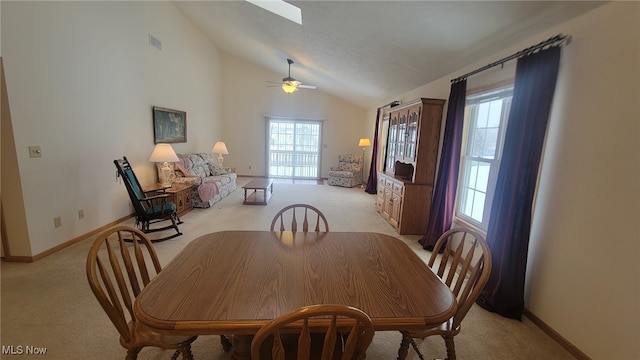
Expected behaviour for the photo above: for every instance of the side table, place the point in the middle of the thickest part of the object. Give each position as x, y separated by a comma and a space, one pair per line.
179, 194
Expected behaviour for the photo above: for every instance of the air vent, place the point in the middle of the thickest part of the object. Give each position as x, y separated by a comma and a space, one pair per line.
155, 42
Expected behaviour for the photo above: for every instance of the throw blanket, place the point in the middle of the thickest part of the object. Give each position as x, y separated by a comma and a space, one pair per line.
207, 190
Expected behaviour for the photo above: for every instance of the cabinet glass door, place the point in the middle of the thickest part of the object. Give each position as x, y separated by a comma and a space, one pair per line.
391, 142
412, 134
402, 135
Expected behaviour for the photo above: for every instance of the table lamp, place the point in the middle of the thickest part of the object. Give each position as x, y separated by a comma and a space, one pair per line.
364, 142
220, 148
163, 153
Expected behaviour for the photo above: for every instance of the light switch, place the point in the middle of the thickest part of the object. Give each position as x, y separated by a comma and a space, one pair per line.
34, 151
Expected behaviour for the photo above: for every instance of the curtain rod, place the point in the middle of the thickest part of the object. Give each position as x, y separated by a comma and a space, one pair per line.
391, 104
556, 40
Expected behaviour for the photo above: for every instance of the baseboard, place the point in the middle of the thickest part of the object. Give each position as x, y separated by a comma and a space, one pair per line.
65, 244
577, 353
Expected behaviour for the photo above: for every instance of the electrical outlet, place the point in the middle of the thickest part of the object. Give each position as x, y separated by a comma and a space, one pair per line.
81, 214
57, 221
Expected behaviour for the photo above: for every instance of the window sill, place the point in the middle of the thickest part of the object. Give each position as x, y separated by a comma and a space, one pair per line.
460, 222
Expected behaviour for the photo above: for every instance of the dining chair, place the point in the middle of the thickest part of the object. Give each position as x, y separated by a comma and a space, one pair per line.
345, 333
150, 207
120, 263
462, 260
291, 214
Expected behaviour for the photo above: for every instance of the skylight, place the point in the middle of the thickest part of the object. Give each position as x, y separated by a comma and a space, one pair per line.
281, 8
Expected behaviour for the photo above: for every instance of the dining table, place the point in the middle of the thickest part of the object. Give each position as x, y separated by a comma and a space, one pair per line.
234, 282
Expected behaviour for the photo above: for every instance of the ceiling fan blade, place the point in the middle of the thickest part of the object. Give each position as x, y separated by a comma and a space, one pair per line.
273, 82
303, 86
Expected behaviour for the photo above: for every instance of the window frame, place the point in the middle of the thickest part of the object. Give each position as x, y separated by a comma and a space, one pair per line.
474, 97
295, 150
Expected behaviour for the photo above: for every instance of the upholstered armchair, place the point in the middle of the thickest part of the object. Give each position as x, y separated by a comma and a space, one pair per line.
348, 172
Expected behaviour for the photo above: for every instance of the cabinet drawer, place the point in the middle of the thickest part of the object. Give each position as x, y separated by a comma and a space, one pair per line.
398, 188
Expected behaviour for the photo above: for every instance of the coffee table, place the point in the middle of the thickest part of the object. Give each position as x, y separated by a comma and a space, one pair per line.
262, 191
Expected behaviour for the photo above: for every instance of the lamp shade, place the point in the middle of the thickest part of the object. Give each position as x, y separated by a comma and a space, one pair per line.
364, 142
220, 148
162, 153
289, 87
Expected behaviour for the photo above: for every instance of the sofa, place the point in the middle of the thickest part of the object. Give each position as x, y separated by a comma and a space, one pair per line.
348, 172
213, 181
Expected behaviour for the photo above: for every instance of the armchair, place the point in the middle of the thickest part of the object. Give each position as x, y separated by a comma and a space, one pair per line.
348, 172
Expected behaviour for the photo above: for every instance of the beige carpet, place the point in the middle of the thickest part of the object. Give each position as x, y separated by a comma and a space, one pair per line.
48, 304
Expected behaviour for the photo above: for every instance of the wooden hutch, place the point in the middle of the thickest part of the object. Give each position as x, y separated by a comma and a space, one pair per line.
405, 186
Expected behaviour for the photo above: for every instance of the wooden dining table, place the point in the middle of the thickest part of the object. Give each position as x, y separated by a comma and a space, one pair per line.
234, 282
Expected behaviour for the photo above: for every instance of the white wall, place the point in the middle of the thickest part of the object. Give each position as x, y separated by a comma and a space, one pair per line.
583, 275
246, 100
82, 79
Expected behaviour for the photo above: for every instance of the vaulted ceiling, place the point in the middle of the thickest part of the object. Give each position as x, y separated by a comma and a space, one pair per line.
369, 51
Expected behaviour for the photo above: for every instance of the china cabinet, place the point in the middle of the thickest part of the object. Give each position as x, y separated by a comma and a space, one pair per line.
405, 186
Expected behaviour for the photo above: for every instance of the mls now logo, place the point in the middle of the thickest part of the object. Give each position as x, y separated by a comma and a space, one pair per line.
23, 350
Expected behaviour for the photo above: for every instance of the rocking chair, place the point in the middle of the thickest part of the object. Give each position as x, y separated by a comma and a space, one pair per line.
150, 207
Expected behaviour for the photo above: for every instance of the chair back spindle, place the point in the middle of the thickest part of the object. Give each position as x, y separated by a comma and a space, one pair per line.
287, 219
346, 333
464, 266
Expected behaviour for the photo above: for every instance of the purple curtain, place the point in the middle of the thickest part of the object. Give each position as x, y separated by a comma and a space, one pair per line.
444, 197
372, 183
510, 221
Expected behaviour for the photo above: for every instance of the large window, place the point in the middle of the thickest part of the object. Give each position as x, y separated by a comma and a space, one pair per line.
486, 117
293, 148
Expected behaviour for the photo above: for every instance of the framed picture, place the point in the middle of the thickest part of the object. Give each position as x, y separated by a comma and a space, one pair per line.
169, 126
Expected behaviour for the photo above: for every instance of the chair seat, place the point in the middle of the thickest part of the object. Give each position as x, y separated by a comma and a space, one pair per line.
443, 329
159, 209
342, 173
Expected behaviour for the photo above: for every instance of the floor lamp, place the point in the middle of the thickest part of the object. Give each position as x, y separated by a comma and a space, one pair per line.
364, 142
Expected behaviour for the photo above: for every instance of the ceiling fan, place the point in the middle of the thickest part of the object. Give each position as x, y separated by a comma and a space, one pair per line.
289, 84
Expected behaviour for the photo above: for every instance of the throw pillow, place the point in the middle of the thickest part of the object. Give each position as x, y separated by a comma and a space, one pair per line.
179, 167
217, 169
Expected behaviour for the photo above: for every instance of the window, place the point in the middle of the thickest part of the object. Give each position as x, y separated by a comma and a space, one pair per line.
486, 117
293, 148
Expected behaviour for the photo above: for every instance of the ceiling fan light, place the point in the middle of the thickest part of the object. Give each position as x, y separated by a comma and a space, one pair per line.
289, 88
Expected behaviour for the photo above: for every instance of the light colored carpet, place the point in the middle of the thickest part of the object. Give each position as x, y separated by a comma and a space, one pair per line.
48, 303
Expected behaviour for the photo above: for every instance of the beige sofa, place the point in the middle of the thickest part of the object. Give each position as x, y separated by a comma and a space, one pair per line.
213, 181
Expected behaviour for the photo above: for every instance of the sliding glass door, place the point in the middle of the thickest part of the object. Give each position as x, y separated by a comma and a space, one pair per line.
293, 148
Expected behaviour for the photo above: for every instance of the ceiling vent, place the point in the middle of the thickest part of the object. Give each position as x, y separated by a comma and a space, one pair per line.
155, 42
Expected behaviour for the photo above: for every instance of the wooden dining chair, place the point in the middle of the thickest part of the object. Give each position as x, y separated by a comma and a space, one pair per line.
121, 262
150, 207
345, 331
462, 260
299, 212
